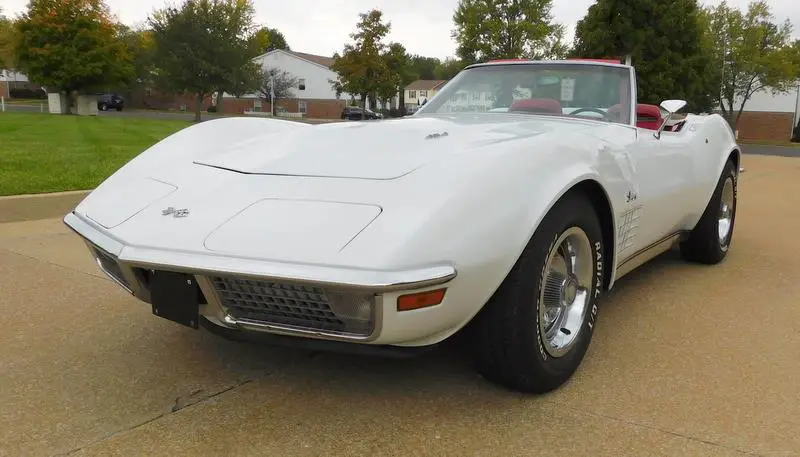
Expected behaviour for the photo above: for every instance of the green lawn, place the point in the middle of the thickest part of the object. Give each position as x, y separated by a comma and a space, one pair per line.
50, 153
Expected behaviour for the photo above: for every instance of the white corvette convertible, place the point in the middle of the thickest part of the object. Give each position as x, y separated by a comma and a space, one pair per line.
503, 208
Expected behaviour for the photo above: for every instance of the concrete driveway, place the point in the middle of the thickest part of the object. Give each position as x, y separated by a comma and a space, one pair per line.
687, 361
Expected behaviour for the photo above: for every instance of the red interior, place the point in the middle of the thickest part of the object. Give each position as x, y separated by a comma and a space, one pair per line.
538, 105
648, 117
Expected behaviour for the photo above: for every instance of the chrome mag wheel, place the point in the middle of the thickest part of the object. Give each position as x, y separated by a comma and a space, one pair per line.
566, 291
726, 209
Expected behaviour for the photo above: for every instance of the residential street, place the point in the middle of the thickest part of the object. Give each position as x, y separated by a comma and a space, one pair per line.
687, 360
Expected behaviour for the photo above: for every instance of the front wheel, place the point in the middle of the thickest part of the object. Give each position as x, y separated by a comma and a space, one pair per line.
710, 240
535, 330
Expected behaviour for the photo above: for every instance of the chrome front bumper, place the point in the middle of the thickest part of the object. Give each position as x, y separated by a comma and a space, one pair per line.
280, 312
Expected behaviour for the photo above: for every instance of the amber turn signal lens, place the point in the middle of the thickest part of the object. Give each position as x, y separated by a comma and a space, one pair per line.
420, 300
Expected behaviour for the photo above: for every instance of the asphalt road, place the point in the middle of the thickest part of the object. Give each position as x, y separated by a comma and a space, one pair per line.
780, 151
687, 360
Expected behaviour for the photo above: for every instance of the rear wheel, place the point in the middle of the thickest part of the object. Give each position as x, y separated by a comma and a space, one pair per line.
535, 330
711, 238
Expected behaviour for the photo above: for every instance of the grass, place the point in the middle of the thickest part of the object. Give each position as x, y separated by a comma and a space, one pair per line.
51, 153
785, 144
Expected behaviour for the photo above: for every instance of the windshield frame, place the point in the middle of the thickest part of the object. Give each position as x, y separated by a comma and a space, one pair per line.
443, 94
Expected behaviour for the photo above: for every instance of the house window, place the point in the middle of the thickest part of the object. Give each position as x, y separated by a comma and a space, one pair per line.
302, 83
302, 105
423, 94
412, 94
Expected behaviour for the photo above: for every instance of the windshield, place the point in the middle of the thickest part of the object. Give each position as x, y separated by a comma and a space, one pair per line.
560, 89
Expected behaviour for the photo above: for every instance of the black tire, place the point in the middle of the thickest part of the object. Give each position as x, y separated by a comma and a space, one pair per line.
103, 107
508, 344
704, 244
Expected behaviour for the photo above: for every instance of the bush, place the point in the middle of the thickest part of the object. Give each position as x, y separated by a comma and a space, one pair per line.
28, 93
212, 109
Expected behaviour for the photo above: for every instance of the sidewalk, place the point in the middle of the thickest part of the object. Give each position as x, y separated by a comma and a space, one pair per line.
16, 208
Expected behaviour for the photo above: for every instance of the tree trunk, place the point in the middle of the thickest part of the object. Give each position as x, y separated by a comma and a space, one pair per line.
198, 107
402, 108
727, 113
363, 106
739, 114
373, 101
70, 100
219, 100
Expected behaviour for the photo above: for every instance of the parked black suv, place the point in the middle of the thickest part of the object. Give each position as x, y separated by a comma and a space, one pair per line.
106, 102
353, 113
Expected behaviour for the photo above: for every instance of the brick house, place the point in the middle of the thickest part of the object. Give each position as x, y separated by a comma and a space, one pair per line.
771, 117
11, 81
313, 96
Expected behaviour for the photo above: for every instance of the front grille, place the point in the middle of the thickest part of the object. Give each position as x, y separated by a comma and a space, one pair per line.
299, 306
110, 266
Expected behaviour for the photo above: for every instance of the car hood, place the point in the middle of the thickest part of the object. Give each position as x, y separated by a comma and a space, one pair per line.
380, 150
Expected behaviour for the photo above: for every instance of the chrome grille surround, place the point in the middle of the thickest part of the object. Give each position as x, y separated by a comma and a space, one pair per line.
110, 265
304, 307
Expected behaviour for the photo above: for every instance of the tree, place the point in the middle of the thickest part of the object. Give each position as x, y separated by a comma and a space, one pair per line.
361, 67
401, 73
203, 46
276, 84
140, 46
71, 46
448, 68
7, 59
506, 29
266, 39
424, 67
751, 53
670, 58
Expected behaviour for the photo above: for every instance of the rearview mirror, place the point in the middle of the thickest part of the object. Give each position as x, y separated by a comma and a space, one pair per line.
671, 107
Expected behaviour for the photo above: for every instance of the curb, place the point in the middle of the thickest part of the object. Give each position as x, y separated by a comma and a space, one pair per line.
18, 208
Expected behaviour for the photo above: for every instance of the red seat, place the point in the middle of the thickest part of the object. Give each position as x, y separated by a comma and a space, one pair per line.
648, 117
538, 105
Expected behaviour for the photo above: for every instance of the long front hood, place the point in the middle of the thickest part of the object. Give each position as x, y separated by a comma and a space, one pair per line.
376, 150
286, 200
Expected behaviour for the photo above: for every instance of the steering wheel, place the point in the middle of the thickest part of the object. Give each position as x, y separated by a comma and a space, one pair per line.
592, 110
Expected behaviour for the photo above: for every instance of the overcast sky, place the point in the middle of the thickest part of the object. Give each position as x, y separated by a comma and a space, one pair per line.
422, 26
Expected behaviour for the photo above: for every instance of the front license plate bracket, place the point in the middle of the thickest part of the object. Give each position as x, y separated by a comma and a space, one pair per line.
176, 297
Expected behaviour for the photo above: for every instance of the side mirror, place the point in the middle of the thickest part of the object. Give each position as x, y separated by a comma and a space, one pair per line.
671, 107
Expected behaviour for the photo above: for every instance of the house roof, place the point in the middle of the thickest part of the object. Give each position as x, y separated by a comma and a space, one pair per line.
323, 61
320, 60
426, 84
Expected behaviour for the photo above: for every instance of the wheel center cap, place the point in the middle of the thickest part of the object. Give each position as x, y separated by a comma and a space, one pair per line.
570, 290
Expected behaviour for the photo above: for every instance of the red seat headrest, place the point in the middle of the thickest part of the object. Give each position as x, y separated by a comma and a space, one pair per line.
538, 105
648, 116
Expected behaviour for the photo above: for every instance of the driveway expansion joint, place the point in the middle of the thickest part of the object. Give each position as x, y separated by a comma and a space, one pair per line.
191, 400
634, 423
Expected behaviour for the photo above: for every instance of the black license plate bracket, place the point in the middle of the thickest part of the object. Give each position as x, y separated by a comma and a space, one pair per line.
176, 297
